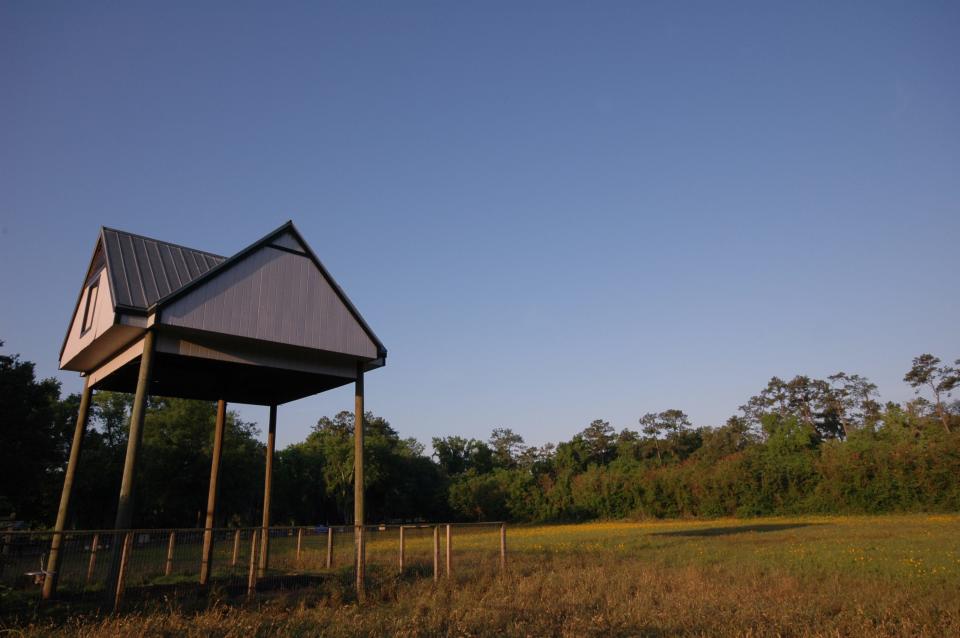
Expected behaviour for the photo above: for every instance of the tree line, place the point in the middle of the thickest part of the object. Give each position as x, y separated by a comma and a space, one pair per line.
802, 445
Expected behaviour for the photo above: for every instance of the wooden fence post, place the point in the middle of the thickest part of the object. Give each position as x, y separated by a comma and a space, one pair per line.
329, 547
503, 546
252, 574
401, 549
436, 552
94, 546
299, 541
122, 575
236, 548
168, 568
449, 550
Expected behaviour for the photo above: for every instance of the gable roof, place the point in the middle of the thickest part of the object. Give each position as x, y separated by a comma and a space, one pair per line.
145, 274
275, 239
143, 270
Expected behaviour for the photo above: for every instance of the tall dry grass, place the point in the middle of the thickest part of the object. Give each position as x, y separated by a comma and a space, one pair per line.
771, 582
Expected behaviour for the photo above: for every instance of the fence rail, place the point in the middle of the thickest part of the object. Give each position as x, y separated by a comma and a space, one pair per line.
123, 568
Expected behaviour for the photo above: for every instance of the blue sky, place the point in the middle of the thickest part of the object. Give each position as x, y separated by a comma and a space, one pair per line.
549, 212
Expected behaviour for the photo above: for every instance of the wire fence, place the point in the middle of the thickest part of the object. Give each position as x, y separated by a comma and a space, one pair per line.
127, 569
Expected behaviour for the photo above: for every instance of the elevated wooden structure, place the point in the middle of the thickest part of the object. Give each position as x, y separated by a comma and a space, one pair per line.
265, 326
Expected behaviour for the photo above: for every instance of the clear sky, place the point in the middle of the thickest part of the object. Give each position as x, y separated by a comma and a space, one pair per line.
549, 212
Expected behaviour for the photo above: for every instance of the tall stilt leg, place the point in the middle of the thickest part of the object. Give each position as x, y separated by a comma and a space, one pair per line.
358, 483
53, 562
134, 439
267, 486
207, 555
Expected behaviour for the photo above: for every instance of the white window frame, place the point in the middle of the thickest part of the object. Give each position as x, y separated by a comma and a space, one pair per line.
90, 308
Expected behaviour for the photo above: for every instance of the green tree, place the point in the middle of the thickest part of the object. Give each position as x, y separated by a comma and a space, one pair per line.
667, 429
36, 429
174, 466
733, 437
507, 447
850, 401
97, 483
927, 372
300, 492
399, 482
332, 438
598, 440
456, 455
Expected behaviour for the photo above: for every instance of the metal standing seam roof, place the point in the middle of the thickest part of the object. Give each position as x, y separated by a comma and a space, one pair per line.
144, 270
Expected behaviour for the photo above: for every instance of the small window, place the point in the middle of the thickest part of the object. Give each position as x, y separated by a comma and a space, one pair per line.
91, 306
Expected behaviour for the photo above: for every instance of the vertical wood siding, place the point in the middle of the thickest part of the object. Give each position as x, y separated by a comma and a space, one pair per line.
273, 295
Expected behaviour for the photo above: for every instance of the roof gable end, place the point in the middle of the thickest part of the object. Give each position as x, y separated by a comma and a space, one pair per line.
275, 289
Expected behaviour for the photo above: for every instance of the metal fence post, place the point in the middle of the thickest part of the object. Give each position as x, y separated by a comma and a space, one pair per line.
299, 541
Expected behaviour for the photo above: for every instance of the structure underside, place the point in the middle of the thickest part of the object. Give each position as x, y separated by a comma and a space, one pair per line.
211, 380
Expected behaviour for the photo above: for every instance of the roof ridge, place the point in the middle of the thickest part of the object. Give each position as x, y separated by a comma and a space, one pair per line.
163, 241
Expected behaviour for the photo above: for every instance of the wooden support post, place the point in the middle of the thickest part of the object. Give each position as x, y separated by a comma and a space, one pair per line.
53, 560
299, 541
449, 551
168, 568
207, 556
92, 565
361, 563
236, 548
503, 546
361, 554
134, 440
401, 549
122, 574
329, 547
267, 488
252, 573
436, 552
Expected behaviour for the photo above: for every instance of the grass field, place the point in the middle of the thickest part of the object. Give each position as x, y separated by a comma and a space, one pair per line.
808, 576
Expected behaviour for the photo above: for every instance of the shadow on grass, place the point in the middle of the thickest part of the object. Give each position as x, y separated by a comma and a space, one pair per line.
416, 572
727, 531
183, 593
